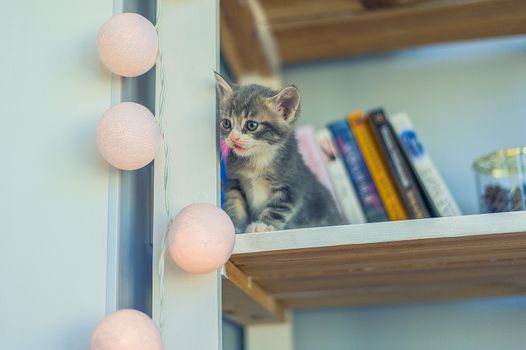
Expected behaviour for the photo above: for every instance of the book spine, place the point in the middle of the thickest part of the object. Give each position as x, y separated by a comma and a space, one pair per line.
435, 189
313, 158
384, 183
347, 197
399, 168
357, 172
223, 155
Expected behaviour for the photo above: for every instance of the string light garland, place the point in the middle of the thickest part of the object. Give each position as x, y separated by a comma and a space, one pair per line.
159, 116
128, 136
128, 44
126, 330
201, 237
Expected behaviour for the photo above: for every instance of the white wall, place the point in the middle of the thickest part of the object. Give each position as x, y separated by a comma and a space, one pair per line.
466, 100
53, 183
472, 325
275, 336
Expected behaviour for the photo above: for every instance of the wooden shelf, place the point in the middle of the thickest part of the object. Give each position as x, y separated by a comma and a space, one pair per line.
306, 30
392, 262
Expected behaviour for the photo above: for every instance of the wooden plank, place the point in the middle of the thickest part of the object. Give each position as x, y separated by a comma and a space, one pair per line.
311, 30
375, 257
245, 43
281, 288
384, 232
428, 293
279, 11
263, 272
239, 308
476, 260
375, 4
347, 33
399, 249
390, 252
393, 262
245, 302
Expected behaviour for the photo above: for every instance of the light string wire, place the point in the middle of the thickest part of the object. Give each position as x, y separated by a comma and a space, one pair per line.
159, 116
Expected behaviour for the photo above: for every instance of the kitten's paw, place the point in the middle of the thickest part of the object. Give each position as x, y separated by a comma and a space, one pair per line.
259, 227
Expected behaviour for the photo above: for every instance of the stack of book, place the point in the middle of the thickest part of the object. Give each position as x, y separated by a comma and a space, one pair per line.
375, 168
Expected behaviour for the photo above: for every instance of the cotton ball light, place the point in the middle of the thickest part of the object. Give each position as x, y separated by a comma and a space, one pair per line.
128, 136
126, 330
201, 238
128, 44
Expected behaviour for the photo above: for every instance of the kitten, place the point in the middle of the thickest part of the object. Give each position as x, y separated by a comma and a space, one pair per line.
269, 186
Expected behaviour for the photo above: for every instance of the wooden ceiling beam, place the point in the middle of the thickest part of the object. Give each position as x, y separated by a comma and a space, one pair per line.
257, 35
246, 43
368, 31
245, 302
279, 11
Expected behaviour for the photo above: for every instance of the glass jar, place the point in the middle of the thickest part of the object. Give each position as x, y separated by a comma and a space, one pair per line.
501, 180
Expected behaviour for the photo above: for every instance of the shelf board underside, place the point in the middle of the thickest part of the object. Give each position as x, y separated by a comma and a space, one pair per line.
455, 264
297, 31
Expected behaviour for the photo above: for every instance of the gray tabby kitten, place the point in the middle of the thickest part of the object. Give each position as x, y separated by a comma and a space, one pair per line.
269, 186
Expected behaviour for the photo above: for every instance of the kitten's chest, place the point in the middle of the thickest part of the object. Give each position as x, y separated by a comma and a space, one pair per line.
257, 191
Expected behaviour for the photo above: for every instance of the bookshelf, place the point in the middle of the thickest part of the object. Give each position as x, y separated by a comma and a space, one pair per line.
460, 257
318, 35
309, 30
378, 263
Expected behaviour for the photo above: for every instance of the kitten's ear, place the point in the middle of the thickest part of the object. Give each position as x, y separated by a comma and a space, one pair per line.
224, 88
286, 103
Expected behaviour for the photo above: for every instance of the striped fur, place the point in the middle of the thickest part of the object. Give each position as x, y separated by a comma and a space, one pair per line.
269, 186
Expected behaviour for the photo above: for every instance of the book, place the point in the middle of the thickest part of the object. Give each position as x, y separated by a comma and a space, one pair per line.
345, 193
440, 199
312, 156
382, 178
400, 170
357, 171
223, 156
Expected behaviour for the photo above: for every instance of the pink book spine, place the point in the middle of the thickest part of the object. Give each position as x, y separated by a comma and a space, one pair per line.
312, 156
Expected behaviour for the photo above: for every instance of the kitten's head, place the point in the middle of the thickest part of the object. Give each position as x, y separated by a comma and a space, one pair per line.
253, 118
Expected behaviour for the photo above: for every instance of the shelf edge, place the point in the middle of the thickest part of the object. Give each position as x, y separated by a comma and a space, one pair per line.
254, 292
444, 227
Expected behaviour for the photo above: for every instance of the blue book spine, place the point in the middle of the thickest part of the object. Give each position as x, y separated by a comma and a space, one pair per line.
223, 176
358, 172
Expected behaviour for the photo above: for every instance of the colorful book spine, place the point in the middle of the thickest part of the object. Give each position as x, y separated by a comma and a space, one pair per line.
382, 178
399, 168
435, 189
223, 156
313, 158
345, 193
357, 171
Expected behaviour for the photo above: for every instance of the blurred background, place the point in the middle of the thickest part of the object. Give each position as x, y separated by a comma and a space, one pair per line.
457, 67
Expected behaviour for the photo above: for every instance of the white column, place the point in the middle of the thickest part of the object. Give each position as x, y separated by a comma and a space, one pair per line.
189, 30
275, 336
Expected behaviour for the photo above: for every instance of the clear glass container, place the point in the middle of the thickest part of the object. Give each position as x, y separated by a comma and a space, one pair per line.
501, 180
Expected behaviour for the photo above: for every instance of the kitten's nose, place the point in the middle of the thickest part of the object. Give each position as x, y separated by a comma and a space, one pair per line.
234, 138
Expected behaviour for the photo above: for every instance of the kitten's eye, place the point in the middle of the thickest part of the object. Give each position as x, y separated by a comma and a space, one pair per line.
252, 125
226, 124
